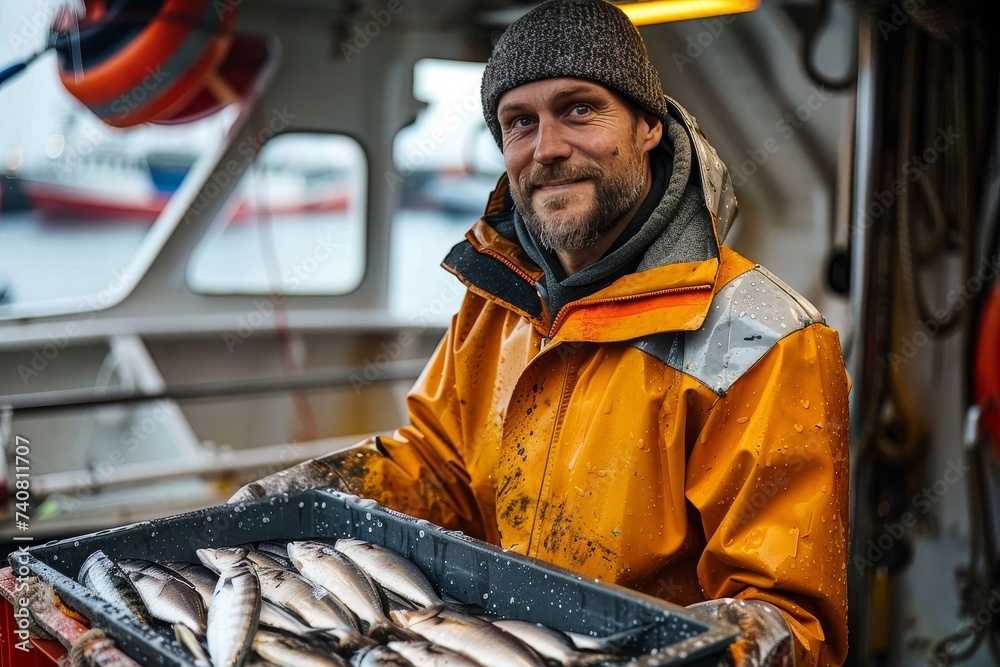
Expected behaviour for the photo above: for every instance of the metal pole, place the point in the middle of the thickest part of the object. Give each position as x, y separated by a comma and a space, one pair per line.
407, 369
862, 363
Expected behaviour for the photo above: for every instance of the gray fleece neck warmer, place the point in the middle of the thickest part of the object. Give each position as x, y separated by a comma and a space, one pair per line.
677, 230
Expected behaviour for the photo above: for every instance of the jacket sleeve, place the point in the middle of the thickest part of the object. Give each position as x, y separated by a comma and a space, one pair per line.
768, 475
419, 470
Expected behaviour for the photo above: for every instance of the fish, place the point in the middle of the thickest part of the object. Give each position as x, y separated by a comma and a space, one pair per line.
100, 574
379, 656
216, 558
341, 577
189, 640
276, 618
294, 593
271, 615
277, 551
472, 637
391, 571
286, 651
233, 615
426, 654
199, 576
167, 595
552, 644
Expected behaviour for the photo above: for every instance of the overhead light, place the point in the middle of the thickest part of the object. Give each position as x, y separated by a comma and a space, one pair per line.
662, 11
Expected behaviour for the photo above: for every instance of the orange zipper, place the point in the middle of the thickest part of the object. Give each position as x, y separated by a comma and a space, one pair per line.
509, 264
564, 312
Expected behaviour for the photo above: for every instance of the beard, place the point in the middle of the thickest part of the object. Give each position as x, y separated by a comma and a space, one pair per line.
616, 191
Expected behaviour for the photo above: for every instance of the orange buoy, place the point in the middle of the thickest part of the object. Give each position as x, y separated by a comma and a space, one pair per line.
229, 83
138, 61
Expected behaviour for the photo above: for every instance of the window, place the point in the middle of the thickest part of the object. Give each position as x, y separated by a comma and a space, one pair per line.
296, 225
77, 197
447, 165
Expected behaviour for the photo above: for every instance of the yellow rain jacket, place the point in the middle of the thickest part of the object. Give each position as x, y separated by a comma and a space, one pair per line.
682, 432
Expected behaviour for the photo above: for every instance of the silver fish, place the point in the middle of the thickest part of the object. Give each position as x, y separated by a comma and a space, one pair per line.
391, 571
472, 637
426, 654
199, 576
379, 656
287, 651
325, 566
276, 551
214, 559
273, 616
168, 596
189, 640
552, 644
102, 575
233, 615
291, 591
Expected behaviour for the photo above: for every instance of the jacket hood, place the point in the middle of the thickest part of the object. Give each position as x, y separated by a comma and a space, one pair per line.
717, 186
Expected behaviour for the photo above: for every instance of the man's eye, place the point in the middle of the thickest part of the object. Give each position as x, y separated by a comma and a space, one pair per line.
522, 121
581, 110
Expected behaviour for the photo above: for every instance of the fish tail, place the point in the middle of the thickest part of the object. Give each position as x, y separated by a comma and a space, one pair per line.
386, 632
347, 644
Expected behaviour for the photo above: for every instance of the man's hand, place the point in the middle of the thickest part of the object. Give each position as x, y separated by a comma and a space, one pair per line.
766, 641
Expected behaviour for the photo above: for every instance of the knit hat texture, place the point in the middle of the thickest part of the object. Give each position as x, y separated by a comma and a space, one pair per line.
587, 39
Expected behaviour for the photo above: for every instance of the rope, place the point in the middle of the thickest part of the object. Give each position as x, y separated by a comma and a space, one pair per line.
812, 32
87, 644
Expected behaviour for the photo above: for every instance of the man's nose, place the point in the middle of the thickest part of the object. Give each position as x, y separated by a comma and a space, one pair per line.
551, 143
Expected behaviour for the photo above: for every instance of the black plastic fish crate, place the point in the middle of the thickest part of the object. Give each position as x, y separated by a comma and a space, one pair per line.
463, 568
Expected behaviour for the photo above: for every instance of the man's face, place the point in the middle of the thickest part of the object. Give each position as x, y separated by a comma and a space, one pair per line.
575, 154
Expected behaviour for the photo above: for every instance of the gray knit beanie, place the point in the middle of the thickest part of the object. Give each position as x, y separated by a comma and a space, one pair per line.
587, 39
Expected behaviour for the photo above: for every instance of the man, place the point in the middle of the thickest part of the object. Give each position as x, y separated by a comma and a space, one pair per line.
619, 394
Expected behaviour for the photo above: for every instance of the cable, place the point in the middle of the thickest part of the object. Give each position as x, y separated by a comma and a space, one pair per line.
812, 31
272, 266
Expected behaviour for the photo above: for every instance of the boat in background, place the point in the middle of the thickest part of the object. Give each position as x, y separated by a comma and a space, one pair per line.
101, 175
114, 185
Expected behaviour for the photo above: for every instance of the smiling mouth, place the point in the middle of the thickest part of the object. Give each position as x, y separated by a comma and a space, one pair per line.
557, 185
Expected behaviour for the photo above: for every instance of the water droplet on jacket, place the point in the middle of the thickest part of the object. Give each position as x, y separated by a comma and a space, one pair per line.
628, 511
742, 313
742, 420
784, 326
752, 316
805, 403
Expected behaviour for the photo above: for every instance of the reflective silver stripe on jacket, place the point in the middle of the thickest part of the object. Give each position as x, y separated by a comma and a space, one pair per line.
746, 319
